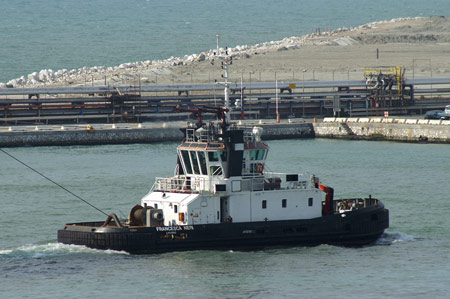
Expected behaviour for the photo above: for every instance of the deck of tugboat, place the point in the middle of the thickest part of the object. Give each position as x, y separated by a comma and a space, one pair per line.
341, 206
257, 182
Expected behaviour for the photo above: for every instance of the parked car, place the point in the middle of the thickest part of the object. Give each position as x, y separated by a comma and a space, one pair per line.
447, 109
437, 114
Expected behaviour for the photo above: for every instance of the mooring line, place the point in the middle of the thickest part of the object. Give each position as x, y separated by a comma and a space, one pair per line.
42, 175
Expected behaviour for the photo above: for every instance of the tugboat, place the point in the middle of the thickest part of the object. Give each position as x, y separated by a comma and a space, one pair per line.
222, 197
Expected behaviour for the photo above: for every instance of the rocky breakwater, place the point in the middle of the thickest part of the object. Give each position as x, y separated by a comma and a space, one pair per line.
145, 71
378, 128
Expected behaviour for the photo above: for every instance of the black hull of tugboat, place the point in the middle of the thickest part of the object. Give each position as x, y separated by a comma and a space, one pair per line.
354, 228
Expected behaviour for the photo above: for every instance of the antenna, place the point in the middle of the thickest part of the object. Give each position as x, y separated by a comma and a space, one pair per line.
226, 61
276, 100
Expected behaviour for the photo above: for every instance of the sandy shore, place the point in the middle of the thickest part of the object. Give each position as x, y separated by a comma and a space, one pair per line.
421, 45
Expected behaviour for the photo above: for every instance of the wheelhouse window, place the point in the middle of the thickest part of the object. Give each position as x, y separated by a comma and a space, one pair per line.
223, 156
260, 154
187, 161
202, 160
195, 162
257, 154
215, 170
215, 166
213, 157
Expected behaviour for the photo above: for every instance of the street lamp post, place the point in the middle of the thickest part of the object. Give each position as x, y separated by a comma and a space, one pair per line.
303, 82
276, 99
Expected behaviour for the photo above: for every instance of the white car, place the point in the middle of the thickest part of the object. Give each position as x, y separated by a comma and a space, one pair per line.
447, 109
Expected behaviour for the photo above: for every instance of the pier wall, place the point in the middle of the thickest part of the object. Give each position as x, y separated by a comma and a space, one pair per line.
408, 130
286, 130
127, 133
84, 136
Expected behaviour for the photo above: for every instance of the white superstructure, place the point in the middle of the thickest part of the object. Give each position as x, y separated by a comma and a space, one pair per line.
204, 189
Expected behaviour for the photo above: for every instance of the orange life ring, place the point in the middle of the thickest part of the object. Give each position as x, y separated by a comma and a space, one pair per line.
259, 168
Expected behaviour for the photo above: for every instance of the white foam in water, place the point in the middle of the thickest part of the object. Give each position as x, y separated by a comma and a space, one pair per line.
36, 251
394, 237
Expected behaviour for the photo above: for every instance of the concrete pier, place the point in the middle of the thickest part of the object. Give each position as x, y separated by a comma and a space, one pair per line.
392, 129
45, 135
89, 134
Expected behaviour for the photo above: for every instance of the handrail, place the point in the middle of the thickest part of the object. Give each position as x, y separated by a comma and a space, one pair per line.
180, 184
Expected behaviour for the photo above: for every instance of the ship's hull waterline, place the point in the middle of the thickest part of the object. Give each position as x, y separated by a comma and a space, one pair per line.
353, 228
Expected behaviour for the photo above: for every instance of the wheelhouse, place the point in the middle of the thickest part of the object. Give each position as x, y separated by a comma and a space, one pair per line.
200, 155
199, 158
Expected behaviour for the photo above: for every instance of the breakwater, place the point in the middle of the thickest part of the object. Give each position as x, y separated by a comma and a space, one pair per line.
89, 134
378, 128
406, 130
46, 135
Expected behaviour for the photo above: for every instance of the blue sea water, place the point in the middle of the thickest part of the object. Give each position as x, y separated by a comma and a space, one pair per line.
410, 261
55, 34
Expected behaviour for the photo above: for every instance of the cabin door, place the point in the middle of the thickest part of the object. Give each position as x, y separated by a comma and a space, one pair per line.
224, 209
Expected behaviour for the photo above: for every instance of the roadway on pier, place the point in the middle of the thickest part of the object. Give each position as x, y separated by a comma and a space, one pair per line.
206, 87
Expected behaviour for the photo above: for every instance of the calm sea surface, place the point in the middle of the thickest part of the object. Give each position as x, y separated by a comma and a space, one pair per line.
55, 34
410, 261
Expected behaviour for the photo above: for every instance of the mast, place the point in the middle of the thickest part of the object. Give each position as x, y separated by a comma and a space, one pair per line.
227, 92
226, 61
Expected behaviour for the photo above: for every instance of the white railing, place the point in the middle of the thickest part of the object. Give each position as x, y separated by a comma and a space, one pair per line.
182, 184
199, 184
190, 135
172, 184
208, 134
